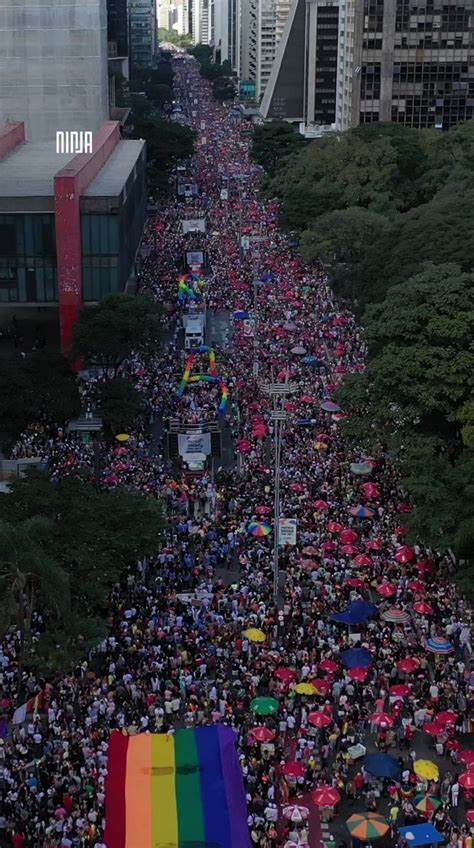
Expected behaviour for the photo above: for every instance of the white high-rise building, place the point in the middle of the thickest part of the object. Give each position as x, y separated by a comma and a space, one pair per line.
227, 32
262, 25
142, 32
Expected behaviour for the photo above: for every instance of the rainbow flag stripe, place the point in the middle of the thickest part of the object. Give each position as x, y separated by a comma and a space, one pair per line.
175, 791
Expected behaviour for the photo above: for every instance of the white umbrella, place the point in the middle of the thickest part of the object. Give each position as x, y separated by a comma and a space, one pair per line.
295, 813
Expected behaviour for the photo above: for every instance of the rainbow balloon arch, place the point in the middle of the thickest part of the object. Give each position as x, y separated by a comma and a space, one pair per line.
191, 286
212, 377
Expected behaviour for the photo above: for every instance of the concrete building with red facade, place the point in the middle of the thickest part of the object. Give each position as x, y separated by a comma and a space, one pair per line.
70, 225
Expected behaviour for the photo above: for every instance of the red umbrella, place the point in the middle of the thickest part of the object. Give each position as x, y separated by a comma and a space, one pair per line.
359, 674
425, 565
401, 531
297, 487
381, 719
355, 582
423, 608
434, 728
400, 690
307, 399
408, 665
309, 564
470, 816
387, 590
263, 510
417, 586
322, 685
467, 757
466, 779
405, 554
329, 546
363, 559
244, 446
328, 665
334, 527
262, 734
319, 719
320, 504
349, 549
447, 717
290, 406
294, 769
374, 545
323, 437
326, 796
285, 674
348, 537
310, 550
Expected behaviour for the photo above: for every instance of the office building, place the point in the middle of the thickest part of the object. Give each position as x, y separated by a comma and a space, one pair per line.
52, 75
381, 60
261, 27
142, 33
117, 27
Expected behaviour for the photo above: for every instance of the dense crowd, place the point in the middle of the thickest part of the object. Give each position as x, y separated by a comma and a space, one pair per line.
182, 649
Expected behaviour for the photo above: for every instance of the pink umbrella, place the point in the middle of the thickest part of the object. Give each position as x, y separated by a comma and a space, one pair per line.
405, 554
348, 537
285, 674
329, 546
355, 582
297, 487
374, 545
401, 531
387, 590
310, 550
349, 549
467, 757
321, 685
434, 728
371, 490
417, 586
447, 717
262, 734
319, 719
263, 510
334, 527
400, 690
320, 504
408, 665
326, 796
294, 769
424, 566
363, 559
307, 399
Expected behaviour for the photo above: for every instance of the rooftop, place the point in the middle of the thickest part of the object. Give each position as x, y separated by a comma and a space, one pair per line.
112, 177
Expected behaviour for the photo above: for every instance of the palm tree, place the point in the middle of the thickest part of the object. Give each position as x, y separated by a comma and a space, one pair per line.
30, 579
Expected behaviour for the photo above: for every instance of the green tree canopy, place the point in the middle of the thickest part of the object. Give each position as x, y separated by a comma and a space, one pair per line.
39, 386
107, 333
167, 143
224, 88
340, 239
274, 141
120, 404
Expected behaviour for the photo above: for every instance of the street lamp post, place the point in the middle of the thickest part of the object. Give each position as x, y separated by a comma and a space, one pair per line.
278, 392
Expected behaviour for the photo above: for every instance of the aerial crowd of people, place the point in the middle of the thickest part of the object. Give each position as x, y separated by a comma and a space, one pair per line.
359, 671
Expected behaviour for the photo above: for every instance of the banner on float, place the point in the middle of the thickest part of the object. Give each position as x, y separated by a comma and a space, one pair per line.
194, 443
287, 531
194, 225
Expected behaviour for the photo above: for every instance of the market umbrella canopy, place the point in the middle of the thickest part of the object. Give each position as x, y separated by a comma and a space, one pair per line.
349, 550
426, 803
285, 674
263, 510
399, 690
359, 674
259, 528
295, 813
421, 834
405, 554
330, 406
371, 490
319, 719
306, 689
356, 657
396, 615
320, 504
466, 779
374, 545
387, 590
423, 608
367, 826
363, 560
348, 537
426, 769
329, 665
294, 769
447, 717
298, 350
264, 706
355, 582
254, 634
382, 765
122, 437
334, 527
326, 796
439, 645
262, 734
408, 665
361, 468
467, 757
362, 512
434, 728
382, 719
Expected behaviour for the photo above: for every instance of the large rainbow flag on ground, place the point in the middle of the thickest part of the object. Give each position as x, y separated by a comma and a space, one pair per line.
183, 790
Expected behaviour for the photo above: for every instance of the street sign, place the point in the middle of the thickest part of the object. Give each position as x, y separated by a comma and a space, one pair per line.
287, 531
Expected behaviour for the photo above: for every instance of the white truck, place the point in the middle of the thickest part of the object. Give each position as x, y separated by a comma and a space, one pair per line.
194, 323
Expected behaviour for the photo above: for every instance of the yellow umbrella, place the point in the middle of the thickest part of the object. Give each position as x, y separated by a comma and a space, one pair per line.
426, 769
254, 634
321, 446
122, 437
306, 689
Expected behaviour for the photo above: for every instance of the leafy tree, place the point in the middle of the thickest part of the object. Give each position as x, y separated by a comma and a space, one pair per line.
224, 88
170, 36
167, 143
340, 240
120, 404
159, 94
107, 333
30, 578
39, 386
274, 141
202, 52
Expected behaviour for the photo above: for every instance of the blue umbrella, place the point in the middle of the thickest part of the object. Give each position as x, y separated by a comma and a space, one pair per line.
439, 645
421, 834
362, 512
356, 658
348, 617
241, 314
364, 607
382, 765
310, 360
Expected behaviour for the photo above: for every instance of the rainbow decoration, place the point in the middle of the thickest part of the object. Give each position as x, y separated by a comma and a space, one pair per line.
190, 285
175, 790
